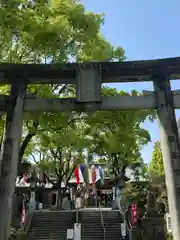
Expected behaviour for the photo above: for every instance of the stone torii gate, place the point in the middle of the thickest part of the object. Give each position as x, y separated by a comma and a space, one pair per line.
88, 78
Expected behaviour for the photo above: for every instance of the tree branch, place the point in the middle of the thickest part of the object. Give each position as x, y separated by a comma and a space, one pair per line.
63, 88
24, 145
28, 138
70, 175
34, 159
55, 156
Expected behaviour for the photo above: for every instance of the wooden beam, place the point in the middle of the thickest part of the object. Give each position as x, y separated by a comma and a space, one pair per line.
130, 71
149, 93
108, 103
148, 101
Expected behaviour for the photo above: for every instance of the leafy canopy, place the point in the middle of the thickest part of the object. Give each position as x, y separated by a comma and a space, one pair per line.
118, 136
50, 32
156, 167
62, 31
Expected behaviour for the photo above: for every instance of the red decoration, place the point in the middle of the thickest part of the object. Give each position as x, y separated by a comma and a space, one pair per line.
93, 172
23, 215
134, 213
76, 174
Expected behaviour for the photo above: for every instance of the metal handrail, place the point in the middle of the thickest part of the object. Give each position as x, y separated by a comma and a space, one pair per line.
124, 213
28, 219
102, 223
77, 215
127, 223
28, 222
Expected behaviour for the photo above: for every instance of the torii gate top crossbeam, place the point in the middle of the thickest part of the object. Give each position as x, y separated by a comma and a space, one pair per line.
130, 71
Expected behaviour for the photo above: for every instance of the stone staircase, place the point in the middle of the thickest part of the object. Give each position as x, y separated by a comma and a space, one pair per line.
96, 224
100, 224
51, 225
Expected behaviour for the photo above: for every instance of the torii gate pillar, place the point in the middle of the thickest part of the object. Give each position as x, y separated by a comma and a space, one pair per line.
10, 159
170, 146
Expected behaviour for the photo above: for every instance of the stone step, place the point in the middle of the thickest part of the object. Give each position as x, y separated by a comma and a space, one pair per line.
101, 238
52, 225
93, 227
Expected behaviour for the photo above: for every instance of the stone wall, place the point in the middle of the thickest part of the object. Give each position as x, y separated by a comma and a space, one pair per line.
43, 195
154, 228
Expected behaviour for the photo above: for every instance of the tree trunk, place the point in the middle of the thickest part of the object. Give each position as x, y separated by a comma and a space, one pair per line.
14, 123
25, 143
23, 147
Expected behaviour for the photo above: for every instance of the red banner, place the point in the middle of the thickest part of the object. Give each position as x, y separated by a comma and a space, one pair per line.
76, 174
135, 213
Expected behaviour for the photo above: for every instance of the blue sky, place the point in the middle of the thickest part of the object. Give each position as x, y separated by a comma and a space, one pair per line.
146, 29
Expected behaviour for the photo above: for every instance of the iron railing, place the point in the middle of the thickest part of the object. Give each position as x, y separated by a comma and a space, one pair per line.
27, 223
127, 221
28, 217
102, 223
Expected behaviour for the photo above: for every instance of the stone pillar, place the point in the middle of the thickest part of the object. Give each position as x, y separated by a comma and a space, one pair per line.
154, 228
10, 160
170, 147
151, 203
113, 197
32, 202
153, 224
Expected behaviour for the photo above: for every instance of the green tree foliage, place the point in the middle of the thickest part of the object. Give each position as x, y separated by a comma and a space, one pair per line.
50, 32
61, 31
136, 192
55, 29
157, 177
156, 167
118, 136
144, 181
62, 148
58, 31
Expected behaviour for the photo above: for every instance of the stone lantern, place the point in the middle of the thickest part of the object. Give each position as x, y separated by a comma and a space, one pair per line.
33, 184
119, 185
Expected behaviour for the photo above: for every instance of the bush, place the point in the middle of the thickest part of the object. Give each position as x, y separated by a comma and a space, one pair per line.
169, 237
17, 235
